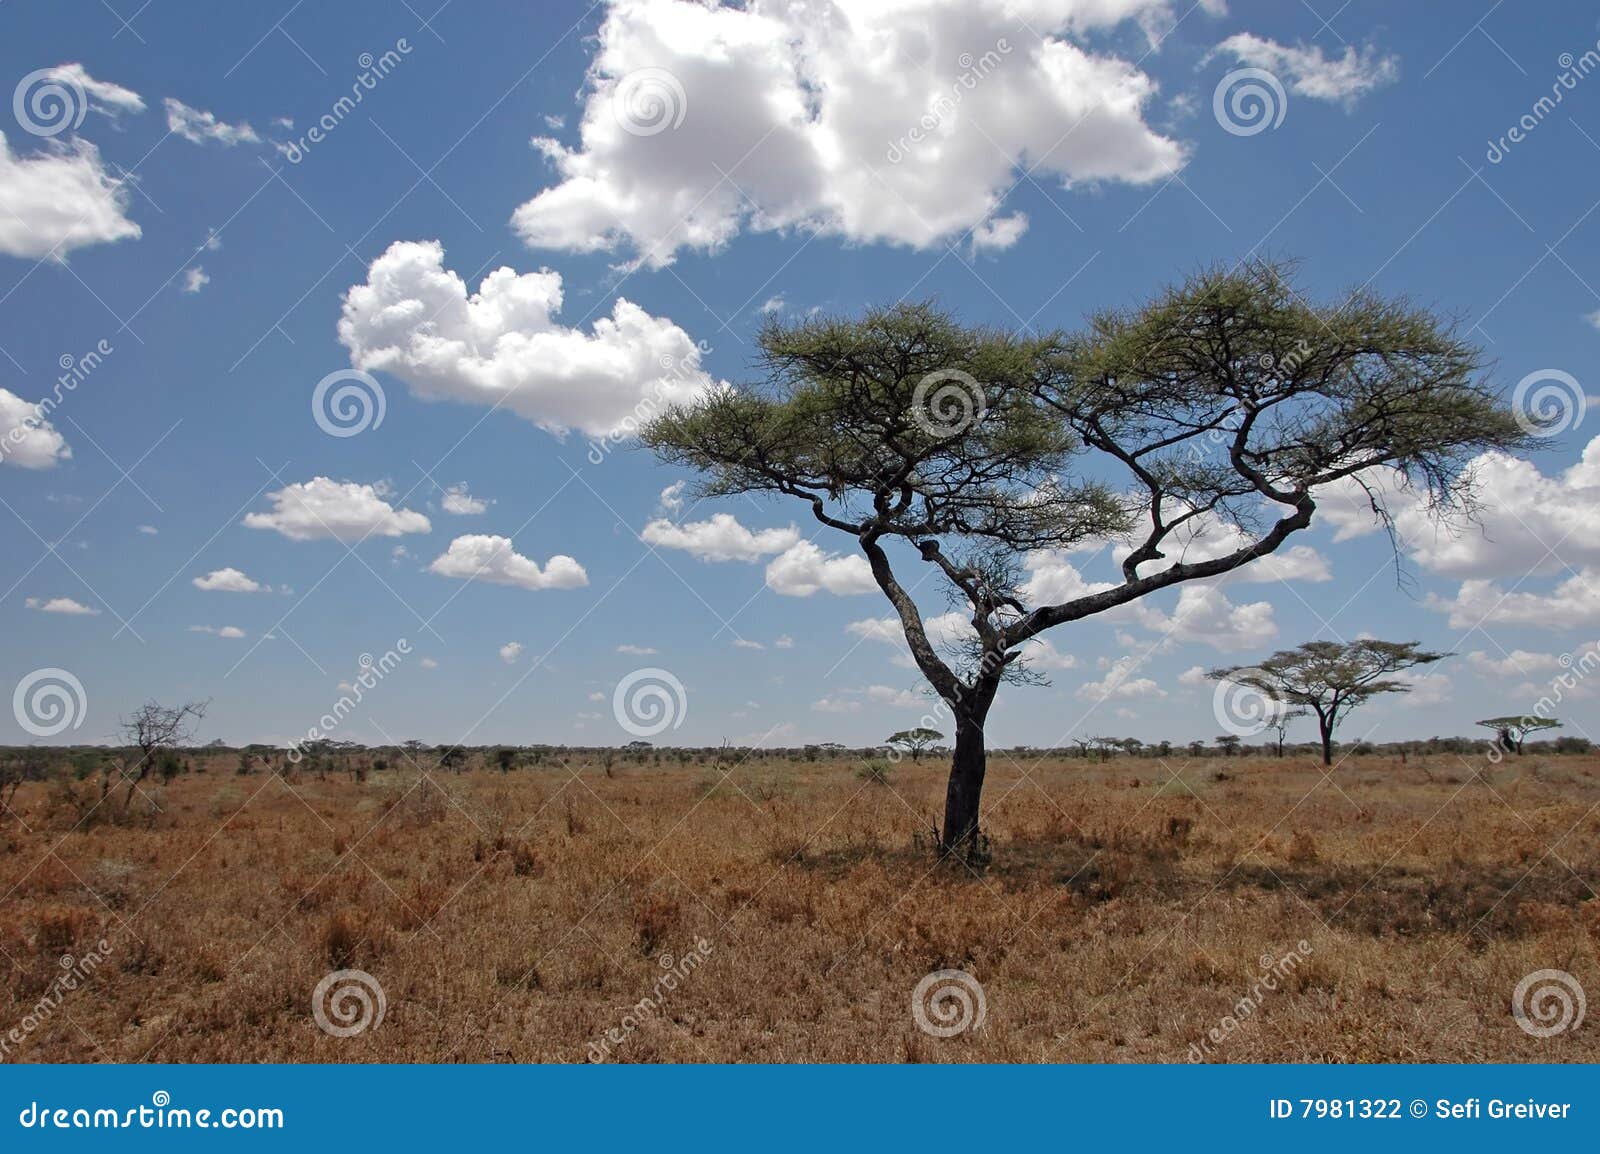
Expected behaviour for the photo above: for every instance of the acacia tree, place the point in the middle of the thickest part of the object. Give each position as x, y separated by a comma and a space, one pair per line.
1511, 732
1225, 402
1281, 717
155, 730
914, 741
1330, 678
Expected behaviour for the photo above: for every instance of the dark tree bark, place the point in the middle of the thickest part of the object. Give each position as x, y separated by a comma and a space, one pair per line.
967, 767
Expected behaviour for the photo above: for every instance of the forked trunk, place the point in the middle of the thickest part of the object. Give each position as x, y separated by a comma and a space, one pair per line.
961, 797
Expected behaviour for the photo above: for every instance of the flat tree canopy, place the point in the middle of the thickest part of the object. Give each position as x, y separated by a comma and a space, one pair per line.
1330, 678
1513, 730
1227, 399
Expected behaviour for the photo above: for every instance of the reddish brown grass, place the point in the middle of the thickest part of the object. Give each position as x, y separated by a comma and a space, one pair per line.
518, 917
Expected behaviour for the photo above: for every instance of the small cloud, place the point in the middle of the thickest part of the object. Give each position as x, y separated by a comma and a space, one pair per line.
428, 663
555, 122
597, 696
773, 304
784, 642
229, 631
510, 651
999, 232
195, 279
672, 497
636, 650
149, 530
200, 127
229, 580
213, 241
741, 643
61, 605
462, 503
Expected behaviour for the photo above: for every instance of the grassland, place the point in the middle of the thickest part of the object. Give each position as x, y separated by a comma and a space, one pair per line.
1129, 905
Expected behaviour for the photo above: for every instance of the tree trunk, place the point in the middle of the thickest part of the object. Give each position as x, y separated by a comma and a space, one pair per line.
1326, 730
967, 768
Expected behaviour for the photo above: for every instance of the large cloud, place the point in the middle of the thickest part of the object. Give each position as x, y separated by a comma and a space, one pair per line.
501, 345
59, 199
479, 557
344, 510
903, 122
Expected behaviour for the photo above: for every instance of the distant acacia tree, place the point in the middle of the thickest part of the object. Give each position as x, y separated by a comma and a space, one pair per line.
1511, 732
1226, 399
1330, 678
1281, 718
1229, 743
914, 741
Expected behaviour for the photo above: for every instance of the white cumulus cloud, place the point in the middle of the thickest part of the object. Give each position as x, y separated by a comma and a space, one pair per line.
343, 510
229, 580
720, 538
503, 346
903, 123
59, 199
64, 605
480, 557
27, 440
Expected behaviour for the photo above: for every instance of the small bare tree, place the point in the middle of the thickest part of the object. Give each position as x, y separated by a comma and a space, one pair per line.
153, 729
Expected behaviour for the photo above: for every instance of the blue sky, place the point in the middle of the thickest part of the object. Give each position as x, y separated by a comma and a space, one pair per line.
485, 145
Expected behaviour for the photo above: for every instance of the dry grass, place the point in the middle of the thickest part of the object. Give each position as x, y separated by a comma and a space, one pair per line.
518, 917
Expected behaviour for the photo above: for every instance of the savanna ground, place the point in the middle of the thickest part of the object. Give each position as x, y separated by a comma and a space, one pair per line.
1129, 905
